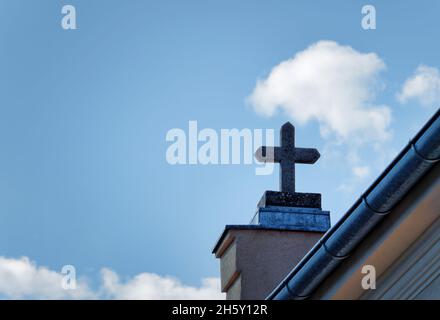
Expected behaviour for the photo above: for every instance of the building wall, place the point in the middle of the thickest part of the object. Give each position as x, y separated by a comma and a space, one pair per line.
416, 274
256, 261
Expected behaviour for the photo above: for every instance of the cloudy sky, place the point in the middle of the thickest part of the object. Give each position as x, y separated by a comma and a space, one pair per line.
84, 114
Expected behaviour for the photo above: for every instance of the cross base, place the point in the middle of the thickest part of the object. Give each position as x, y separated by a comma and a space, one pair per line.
287, 199
288, 218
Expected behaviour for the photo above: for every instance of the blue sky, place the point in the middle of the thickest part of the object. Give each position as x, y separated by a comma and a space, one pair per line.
84, 114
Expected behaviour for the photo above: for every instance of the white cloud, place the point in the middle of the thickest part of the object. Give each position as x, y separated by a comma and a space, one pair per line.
23, 279
332, 84
152, 286
423, 86
361, 171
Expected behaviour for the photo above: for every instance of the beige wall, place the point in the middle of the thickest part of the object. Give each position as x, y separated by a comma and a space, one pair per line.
253, 262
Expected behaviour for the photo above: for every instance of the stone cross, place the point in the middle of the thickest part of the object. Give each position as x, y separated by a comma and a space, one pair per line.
287, 155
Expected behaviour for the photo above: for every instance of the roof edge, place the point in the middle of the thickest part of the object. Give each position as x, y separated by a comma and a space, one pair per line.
410, 165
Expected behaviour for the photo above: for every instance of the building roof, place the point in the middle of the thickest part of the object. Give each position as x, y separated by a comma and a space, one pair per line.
419, 157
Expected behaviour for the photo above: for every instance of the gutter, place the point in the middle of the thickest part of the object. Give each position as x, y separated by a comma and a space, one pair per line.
420, 155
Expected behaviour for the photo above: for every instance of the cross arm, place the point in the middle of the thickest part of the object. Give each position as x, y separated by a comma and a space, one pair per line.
306, 155
268, 154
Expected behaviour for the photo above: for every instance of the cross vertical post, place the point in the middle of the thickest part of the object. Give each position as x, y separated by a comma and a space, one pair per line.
287, 161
